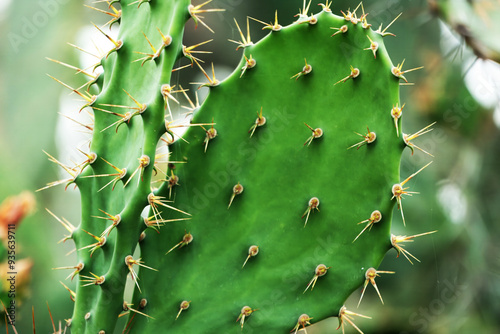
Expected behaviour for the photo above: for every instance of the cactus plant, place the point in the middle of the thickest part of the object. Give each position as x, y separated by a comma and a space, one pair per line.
276, 203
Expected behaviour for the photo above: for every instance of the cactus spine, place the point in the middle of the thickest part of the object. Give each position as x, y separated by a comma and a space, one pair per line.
256, 223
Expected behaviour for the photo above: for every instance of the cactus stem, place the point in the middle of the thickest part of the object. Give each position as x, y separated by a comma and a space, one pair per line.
140, 2
124, 118
79, 267
370, 275
347, 16
398, 191
375, 217
354, 74
184, 306
93, 280
173, 181
101, 241
369, 138
127, 309
397, 71
172, 135
246, 311
237, 190
373, 47
305, 70
260, 121
305, 9
116, 14
250, 63
312, 20
144, 162
154, 201
341, 30
270, 26
91, 157
316, 133
157, 223
118, 44
194, 11
147, 56
115, 219
117, 176
129, 262
166, 92
193, 107
326, 6
303, 321
312, 205
72, 294
143, 303
408, 138
186, 240
252, 251
396, 113
181, 68
345, 314
212, 82
352, 17
320, 270
245, 41
211, 134
304, 16
166, 41
397, 240
66, 224
188, 51
383, 32
140, 107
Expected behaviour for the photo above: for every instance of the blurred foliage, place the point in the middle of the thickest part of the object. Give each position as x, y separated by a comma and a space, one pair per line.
455, 287
476, 21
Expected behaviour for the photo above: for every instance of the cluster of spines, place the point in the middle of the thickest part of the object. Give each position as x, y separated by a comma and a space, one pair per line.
139, 171
144, 161
368, 138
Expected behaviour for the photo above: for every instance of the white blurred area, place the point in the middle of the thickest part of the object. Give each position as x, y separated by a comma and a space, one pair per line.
481, 77
453, 202
4, 6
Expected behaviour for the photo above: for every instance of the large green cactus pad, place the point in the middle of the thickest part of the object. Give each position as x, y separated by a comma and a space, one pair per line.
281, 167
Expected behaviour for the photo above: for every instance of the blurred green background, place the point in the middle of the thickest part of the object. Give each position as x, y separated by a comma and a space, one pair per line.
455, 288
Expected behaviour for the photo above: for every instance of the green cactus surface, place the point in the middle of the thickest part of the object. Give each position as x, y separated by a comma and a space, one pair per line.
277, 201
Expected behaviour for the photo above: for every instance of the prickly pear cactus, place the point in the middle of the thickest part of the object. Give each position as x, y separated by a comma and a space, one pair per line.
277, 201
